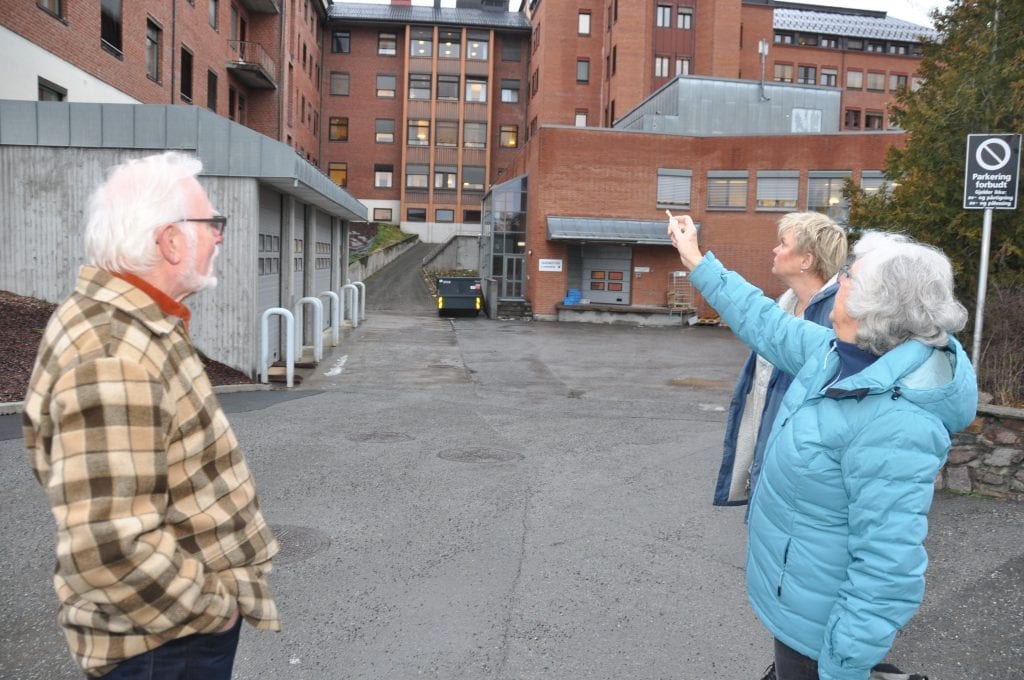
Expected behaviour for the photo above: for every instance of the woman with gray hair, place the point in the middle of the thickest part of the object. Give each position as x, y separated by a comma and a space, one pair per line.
837, 522
811, 248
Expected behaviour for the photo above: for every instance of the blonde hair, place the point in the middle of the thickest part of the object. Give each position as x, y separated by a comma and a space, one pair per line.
819, 235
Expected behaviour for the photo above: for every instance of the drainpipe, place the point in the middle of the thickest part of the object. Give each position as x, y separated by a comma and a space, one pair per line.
174, 45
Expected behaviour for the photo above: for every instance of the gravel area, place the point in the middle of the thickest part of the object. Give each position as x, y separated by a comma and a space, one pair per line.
23, 321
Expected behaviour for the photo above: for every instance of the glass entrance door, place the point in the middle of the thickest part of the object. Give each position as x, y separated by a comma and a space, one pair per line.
512, 276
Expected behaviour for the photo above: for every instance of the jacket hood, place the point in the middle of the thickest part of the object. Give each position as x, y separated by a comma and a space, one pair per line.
940, 380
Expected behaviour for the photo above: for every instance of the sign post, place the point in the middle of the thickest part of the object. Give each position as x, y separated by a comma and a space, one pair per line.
991, 177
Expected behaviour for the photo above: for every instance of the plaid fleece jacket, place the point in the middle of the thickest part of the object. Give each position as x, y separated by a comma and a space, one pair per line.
159, 531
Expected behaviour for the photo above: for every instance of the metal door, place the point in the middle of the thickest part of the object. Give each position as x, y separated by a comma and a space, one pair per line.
606, 271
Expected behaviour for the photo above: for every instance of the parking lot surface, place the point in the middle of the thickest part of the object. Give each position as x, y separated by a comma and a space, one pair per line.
469, 498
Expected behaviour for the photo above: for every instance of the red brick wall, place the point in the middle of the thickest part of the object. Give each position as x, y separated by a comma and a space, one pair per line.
608, 174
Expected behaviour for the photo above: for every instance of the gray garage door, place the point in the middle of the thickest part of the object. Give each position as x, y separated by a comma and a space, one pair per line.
606, 274
269, 265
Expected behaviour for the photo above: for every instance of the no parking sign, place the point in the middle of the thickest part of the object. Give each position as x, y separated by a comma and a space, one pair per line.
992, 173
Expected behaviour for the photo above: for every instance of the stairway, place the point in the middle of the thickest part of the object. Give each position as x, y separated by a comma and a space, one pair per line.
514, 309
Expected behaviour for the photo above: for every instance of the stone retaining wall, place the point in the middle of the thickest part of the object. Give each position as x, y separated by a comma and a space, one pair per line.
987, 458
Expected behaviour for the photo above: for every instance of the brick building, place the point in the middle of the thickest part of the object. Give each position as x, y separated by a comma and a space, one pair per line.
256, 62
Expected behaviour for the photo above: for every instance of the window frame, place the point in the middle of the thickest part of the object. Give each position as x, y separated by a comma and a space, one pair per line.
382, 44
111, 23
777, 190
154, 50
382, 171
506, 132
337, 129
380, 131
393, 90
341, 42
583, 23
674, 188
730, 185
336, 169
339, 77
833, 185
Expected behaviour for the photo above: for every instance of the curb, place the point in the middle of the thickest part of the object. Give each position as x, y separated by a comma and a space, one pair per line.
9, 408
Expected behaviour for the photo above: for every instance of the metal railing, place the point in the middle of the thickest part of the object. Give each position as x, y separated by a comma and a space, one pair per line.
253, 53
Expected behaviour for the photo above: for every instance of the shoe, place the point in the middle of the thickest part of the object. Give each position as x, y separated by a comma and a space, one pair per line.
769, 673
886, 671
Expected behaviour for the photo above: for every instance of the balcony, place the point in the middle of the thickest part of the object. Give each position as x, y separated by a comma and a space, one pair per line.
262, 6
252, 66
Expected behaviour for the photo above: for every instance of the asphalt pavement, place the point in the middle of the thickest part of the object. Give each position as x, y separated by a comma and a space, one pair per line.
477, 499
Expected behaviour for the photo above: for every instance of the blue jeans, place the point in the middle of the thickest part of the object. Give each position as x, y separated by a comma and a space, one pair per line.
204, 656
792, 665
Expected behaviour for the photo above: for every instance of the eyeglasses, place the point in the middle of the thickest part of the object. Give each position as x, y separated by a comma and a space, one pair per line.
845, 271
217, 222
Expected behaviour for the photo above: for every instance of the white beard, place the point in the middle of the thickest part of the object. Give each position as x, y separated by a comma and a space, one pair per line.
194, 281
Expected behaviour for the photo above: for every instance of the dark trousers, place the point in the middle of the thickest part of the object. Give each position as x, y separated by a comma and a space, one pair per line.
204, 656
792, 665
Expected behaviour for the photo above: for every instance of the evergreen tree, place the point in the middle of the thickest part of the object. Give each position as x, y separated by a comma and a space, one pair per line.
973, 83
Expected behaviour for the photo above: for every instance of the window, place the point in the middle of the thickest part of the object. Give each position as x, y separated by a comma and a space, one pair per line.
338, 173
685, 18
474, 135
447, 133
825, 194
511, 50
874, 120
384, 131
419, 133
897, 82
50, 92
916, 83
777, 189
186, 74
446, 177
383, 178
471, 216
387, 44
448, 88
807, 39
477, 43
727, 190
661, 65
830, 42
783, 38
510, 91
580, 119
234, 23
472, 178
806, 75
663, 16
154, 44
876, 82
339, 129
382, 214
854, 80
110, 26
854, 44
899, 48
783, 73
829, 77
213, 10
851, 119
419, 86
416, 176
874, 47
416, 214
421, 42
476, 90
211, 91
583, 24
450, 44
534, 83
386, 86
509, 136
341, 42
682, 66
54, 7
872, 181
444, 215
339, 84
674, 188
582, 70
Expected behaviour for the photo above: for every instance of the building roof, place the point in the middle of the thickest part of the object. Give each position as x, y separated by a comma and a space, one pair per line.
853, 24
226, 149
607, 230
375, 14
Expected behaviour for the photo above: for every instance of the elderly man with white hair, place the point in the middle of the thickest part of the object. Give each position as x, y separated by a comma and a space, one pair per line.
835, 556
162, 548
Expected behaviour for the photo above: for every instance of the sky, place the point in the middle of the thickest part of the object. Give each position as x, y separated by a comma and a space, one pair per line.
915, 11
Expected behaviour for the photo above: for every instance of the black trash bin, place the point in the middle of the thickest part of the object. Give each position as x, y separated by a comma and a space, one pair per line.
459, 295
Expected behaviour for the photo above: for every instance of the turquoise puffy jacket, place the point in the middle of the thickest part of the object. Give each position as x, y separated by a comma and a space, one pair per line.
835, 555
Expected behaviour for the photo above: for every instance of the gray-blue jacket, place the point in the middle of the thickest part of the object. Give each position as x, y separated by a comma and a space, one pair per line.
817, 311
835, 555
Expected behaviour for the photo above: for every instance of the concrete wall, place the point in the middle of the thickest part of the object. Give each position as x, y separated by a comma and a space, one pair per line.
459, 252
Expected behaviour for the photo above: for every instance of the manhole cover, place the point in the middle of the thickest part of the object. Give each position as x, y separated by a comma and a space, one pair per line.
379, 437
298, 543
479, 455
